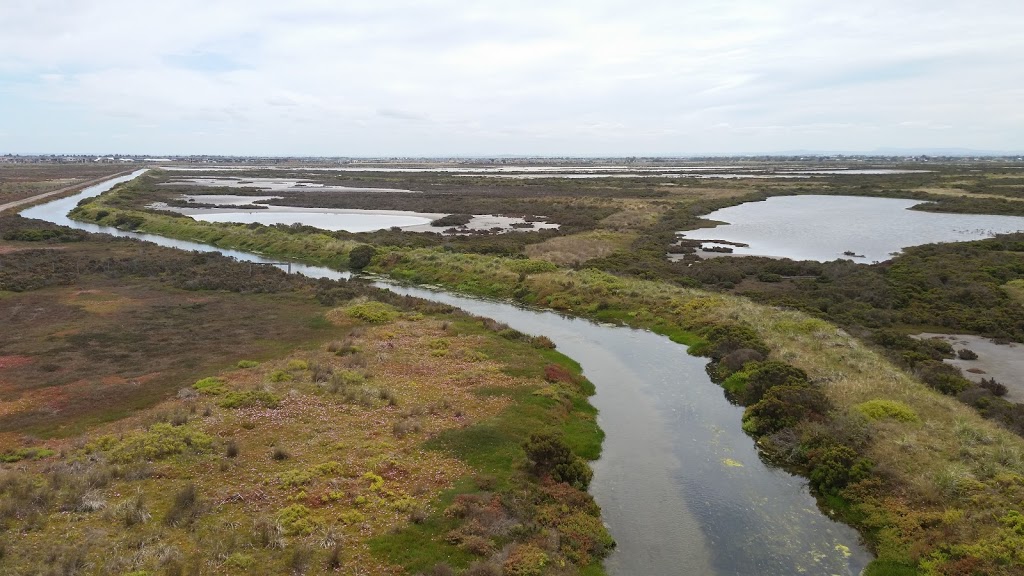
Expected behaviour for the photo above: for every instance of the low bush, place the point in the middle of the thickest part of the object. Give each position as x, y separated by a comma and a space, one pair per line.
280, 376
296, 520
834, 467
550, 455
967, 354
361, 256
783, 407
525, 560
452, 220
584, 538
721, 339
372, 311
942, 377
996, 388
212, 386
887, 409
159, 441
25, 454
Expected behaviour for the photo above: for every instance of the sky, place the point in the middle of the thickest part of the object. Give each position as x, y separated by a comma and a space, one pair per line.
531, 77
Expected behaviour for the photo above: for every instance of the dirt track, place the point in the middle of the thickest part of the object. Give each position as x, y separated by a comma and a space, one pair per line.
64, 190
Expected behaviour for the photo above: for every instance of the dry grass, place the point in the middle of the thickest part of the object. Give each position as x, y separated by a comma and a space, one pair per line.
634, 215
961, 192
19, 181
104, 347
564, 250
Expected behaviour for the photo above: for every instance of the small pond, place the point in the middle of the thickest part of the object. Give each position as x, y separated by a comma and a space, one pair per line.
1003, 363
825, 228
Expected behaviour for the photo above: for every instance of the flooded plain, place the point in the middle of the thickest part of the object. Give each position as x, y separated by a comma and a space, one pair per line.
825, 228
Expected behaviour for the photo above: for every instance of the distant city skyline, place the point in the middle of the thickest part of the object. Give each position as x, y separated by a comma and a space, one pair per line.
446, 78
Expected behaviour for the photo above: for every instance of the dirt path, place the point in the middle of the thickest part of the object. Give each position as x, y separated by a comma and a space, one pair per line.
64, 190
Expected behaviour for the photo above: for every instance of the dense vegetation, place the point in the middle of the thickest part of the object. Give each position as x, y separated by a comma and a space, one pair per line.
383, 434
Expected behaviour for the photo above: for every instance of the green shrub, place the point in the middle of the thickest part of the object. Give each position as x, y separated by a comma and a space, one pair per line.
722, 339
736, 384
891, 409
297, 520
294, 478
280, 376
247, 364
160, 441
530, 266
372, 312
784, 407
942, 377
361, 256
212, 385
25, 454
762, 376
250, 398
835, 466
550, 455
297, 365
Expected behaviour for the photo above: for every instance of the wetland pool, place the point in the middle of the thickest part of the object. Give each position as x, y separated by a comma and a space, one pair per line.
825, 228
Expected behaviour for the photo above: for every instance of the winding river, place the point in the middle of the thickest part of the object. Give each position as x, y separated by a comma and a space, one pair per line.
682, 488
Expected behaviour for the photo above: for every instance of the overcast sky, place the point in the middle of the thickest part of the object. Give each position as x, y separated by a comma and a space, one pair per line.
545, 77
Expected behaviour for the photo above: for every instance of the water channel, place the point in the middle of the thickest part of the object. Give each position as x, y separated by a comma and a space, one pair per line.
682, 488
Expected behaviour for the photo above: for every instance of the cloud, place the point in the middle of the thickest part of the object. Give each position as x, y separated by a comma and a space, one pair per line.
397, 114
597, 77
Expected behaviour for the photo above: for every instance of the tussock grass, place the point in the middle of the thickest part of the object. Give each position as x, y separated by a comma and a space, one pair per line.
564, 250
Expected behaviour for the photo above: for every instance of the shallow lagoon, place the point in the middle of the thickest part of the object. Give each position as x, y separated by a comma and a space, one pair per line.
822, 228
349, 221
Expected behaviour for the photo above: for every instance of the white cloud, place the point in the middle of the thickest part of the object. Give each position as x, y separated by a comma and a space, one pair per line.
426, 78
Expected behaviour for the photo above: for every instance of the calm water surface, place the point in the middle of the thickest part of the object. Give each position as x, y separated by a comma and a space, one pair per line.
323, 219
822, 228
682, 488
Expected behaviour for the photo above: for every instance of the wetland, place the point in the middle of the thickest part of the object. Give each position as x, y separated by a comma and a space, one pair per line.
819, 406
